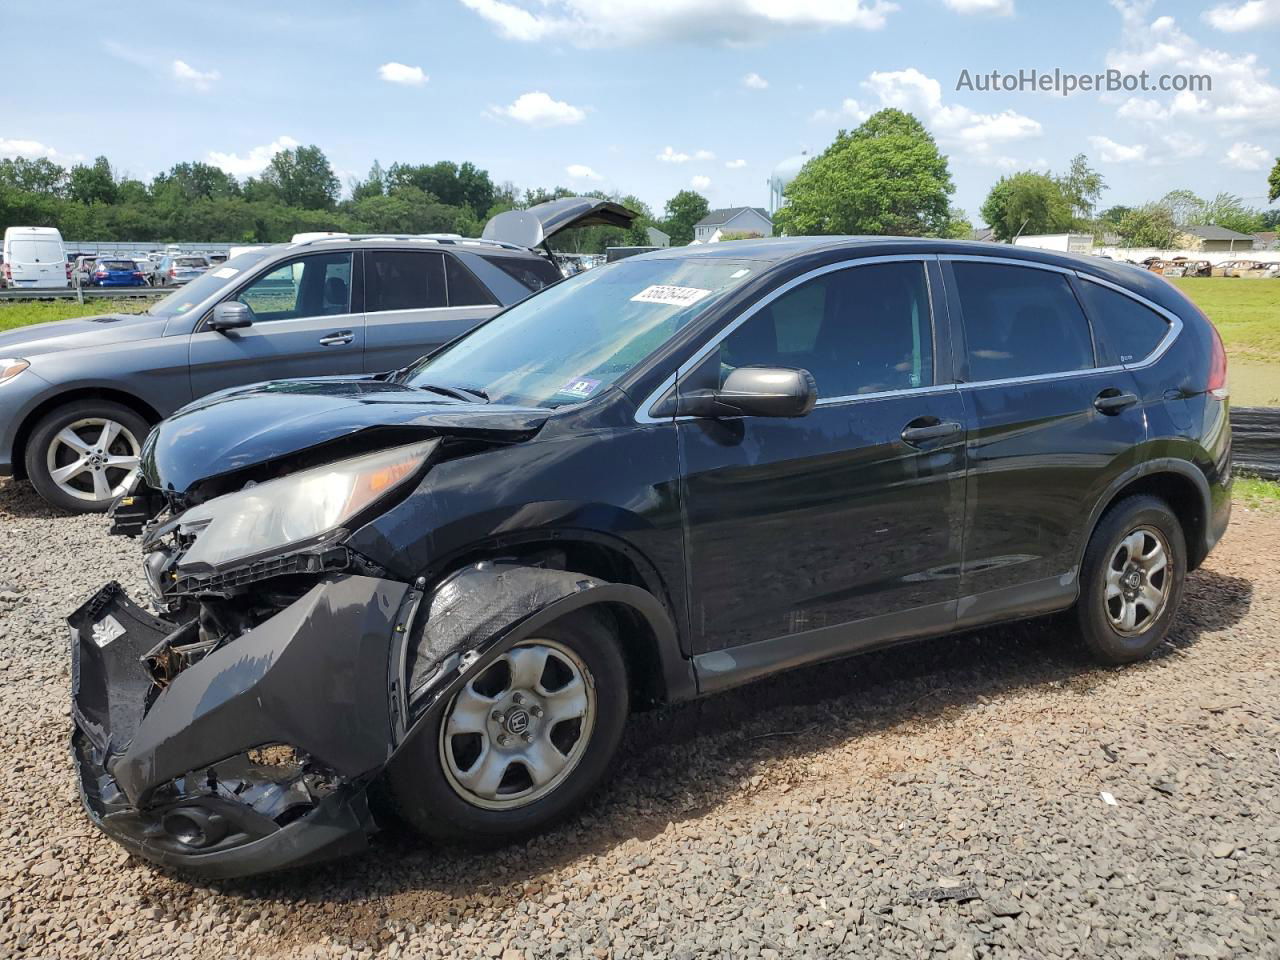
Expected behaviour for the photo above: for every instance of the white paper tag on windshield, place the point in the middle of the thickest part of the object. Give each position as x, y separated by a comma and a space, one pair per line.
224, 273
672, 296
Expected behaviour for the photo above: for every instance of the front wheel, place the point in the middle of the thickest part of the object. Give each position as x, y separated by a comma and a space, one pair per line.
523, 743
83, 455
1131, 580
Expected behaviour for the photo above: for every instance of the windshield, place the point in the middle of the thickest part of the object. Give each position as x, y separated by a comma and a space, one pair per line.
205, 285
571, 341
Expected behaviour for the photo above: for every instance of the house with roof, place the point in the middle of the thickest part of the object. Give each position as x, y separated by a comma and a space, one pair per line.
733, 220
1211, 239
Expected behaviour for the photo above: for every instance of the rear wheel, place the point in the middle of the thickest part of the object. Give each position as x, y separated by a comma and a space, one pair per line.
1131, 580
523, 743
83, 455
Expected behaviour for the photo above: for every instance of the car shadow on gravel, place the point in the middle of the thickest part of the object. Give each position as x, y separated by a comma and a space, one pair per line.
18, 499
681, 762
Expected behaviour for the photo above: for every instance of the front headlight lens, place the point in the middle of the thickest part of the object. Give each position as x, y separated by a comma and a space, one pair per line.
296, 508
10, 367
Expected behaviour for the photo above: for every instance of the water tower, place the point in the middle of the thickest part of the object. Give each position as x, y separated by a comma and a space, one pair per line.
782, 175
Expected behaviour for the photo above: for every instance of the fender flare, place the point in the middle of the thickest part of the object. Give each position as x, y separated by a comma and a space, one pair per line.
1182, 468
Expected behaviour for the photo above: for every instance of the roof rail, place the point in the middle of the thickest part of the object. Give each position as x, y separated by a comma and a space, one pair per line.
447, 239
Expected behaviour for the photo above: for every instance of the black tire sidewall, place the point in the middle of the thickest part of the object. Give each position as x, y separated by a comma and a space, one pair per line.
36, 453
424, 798
1099, 636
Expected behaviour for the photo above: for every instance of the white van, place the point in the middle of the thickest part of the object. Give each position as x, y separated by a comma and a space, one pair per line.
35, 257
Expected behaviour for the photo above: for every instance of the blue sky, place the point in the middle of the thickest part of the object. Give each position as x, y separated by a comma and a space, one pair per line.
647, 96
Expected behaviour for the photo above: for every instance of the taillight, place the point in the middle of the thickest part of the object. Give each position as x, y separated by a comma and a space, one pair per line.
8, 272
68, 271
1217, 367
138, 274
173, 272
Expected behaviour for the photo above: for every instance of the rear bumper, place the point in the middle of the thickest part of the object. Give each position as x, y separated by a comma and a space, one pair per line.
177, 776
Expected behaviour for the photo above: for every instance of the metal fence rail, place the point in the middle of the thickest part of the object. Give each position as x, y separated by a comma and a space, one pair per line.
86, 293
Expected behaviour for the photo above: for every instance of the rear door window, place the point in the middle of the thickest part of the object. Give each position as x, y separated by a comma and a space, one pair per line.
403, 280
464, 289
859, 331
1126, 331
1020, 322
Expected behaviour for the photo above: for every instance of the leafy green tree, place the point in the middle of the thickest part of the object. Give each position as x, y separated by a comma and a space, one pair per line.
885, 177
1270, 219
302, 177
959, 227
680, 214
186, 182
1082, 186
1151, 225
1111, 217
92, 184
1273, 183
1227, 210
374, 185
457, 185
1026, 203
41, 175
1183, 205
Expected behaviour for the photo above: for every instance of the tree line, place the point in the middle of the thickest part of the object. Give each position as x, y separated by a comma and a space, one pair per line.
886, 176
298, 191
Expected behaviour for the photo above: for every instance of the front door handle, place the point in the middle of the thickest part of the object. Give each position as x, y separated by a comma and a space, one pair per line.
1111, 401
924, 429
338, 337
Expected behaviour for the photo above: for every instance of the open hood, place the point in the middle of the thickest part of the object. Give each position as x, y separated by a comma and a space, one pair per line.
246, 426
533, 227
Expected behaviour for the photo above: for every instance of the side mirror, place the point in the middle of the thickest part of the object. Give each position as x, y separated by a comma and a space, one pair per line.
754, 392
231, 315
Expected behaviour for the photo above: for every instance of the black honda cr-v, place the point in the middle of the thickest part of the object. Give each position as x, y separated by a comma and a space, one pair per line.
652, 481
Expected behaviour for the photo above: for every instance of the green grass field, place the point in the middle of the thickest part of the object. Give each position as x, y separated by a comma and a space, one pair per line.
1256, 494
1246, 312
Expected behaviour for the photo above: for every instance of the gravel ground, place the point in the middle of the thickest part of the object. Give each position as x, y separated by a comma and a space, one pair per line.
948, 800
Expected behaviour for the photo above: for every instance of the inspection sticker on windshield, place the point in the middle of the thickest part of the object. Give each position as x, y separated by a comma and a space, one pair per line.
580, 388
225, 273
672, 296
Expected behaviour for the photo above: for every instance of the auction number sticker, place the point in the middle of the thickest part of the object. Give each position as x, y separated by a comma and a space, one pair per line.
672, 296
225, 273
583, 387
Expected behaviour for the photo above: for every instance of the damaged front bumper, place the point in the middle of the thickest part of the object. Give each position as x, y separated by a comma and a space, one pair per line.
257, 756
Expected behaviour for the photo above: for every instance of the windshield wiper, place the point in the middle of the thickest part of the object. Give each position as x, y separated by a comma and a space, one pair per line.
465, 394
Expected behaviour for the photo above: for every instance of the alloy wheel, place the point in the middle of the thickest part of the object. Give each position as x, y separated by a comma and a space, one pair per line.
1137, 581
93, 459
517, 730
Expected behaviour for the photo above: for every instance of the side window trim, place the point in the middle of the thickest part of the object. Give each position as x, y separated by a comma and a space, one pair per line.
1174, 321
961, 366
644, 410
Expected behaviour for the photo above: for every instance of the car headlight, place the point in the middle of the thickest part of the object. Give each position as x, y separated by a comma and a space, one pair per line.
297, 508
10, 367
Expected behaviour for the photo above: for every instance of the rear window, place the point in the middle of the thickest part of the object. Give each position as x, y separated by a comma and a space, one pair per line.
35, 251
1020, 322
464, 289
191, 262
118, 264
534, 273
1127, 331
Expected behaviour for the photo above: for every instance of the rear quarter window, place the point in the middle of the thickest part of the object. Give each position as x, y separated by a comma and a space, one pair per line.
532, 272
1126, 331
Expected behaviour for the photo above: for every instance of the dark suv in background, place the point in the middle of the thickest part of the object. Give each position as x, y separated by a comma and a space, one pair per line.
649, 482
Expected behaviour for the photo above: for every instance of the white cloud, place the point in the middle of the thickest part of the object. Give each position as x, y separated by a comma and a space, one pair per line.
1000, 8
735, 164
670, 155
700, 182
703, 155
403, 74
202, 80
580, 171
753, 81
538, 109
955, 126
610, 23
1113, 152
28, 149
254, 161
1245, 16
1247, 156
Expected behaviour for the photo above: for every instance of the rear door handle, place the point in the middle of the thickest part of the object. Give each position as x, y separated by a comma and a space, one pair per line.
1111, 401
923, 429
339, 337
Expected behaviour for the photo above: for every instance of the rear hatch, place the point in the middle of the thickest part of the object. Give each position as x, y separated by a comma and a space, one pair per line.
37, 262
535, 226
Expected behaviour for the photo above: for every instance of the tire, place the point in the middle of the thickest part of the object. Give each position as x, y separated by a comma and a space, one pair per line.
102, 474
1121, 572
426, 778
